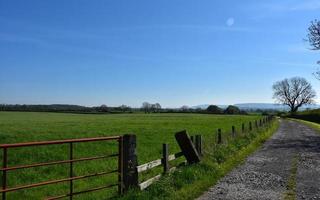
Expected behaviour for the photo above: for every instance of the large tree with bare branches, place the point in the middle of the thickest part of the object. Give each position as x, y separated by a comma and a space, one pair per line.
314, 40
294, 92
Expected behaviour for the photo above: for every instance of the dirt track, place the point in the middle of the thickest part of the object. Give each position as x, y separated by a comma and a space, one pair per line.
265, 174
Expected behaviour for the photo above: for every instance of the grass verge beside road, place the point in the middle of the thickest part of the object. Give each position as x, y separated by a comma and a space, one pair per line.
191, 181
308, 123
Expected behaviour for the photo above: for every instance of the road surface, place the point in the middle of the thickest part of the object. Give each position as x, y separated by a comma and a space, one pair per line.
292, 153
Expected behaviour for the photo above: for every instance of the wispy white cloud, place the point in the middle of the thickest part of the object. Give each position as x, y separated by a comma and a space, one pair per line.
306, 5
184, 27
109, 31
47, 43
20, 39
274, 8
289, 5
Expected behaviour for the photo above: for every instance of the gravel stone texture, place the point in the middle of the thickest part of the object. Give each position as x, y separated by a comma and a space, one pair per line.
265, 173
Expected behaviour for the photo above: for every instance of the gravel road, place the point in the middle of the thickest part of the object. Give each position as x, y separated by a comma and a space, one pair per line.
265, 174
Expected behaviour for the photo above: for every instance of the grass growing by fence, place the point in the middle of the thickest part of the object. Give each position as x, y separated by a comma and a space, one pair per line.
152, 130
191, 181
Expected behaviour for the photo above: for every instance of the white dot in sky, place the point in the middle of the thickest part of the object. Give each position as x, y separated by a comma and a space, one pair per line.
230, 21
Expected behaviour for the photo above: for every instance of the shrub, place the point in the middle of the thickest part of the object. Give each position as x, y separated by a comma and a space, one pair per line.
232, 110
214, 109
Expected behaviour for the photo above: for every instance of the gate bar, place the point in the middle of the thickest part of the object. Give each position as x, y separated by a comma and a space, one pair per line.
24, 144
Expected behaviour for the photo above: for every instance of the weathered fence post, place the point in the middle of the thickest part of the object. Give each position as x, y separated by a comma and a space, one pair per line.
187, 147
165, 155
219, 136
256, 124
120, 165
250, 126
192, 139
130, 162
260, 123
233, 131
242, 128
199, 144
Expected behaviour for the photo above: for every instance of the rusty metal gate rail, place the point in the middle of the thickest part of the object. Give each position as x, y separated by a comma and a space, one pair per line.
5, 168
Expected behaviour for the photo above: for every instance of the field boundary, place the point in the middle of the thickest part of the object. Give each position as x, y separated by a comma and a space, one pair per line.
197, 143
128, 169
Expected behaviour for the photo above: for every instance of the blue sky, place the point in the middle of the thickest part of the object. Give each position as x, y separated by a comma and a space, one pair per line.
175, 52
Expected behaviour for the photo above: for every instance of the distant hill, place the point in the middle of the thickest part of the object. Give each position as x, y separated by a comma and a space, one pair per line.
262, 106
205, 106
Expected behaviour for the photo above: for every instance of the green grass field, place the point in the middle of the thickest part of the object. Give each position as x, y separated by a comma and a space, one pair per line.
151, 129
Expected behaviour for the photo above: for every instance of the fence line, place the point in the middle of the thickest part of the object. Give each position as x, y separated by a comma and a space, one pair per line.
128, 169
198, 144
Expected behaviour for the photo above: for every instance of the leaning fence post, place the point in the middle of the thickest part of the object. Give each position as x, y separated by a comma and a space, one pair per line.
233, 131
219, 136
130, 162
192, 139
187, 147
165, 155
199, 144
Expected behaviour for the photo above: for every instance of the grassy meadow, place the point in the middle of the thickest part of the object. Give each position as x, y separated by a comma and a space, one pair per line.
151, 129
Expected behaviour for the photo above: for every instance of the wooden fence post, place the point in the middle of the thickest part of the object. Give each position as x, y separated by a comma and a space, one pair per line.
199, 144
219, 136
130, 162
233, 131
120, 165
165, 155
242, 127
192, 139
260, 123
256, 124
250, 126
187, 147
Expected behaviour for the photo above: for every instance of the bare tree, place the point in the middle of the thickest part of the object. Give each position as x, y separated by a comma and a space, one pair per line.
314, 35
146, 107
184, 108
314, 40
157, 107
294, 92
103, 108
124, 108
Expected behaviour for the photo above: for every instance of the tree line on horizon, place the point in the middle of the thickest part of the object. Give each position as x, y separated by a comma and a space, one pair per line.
145, 108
